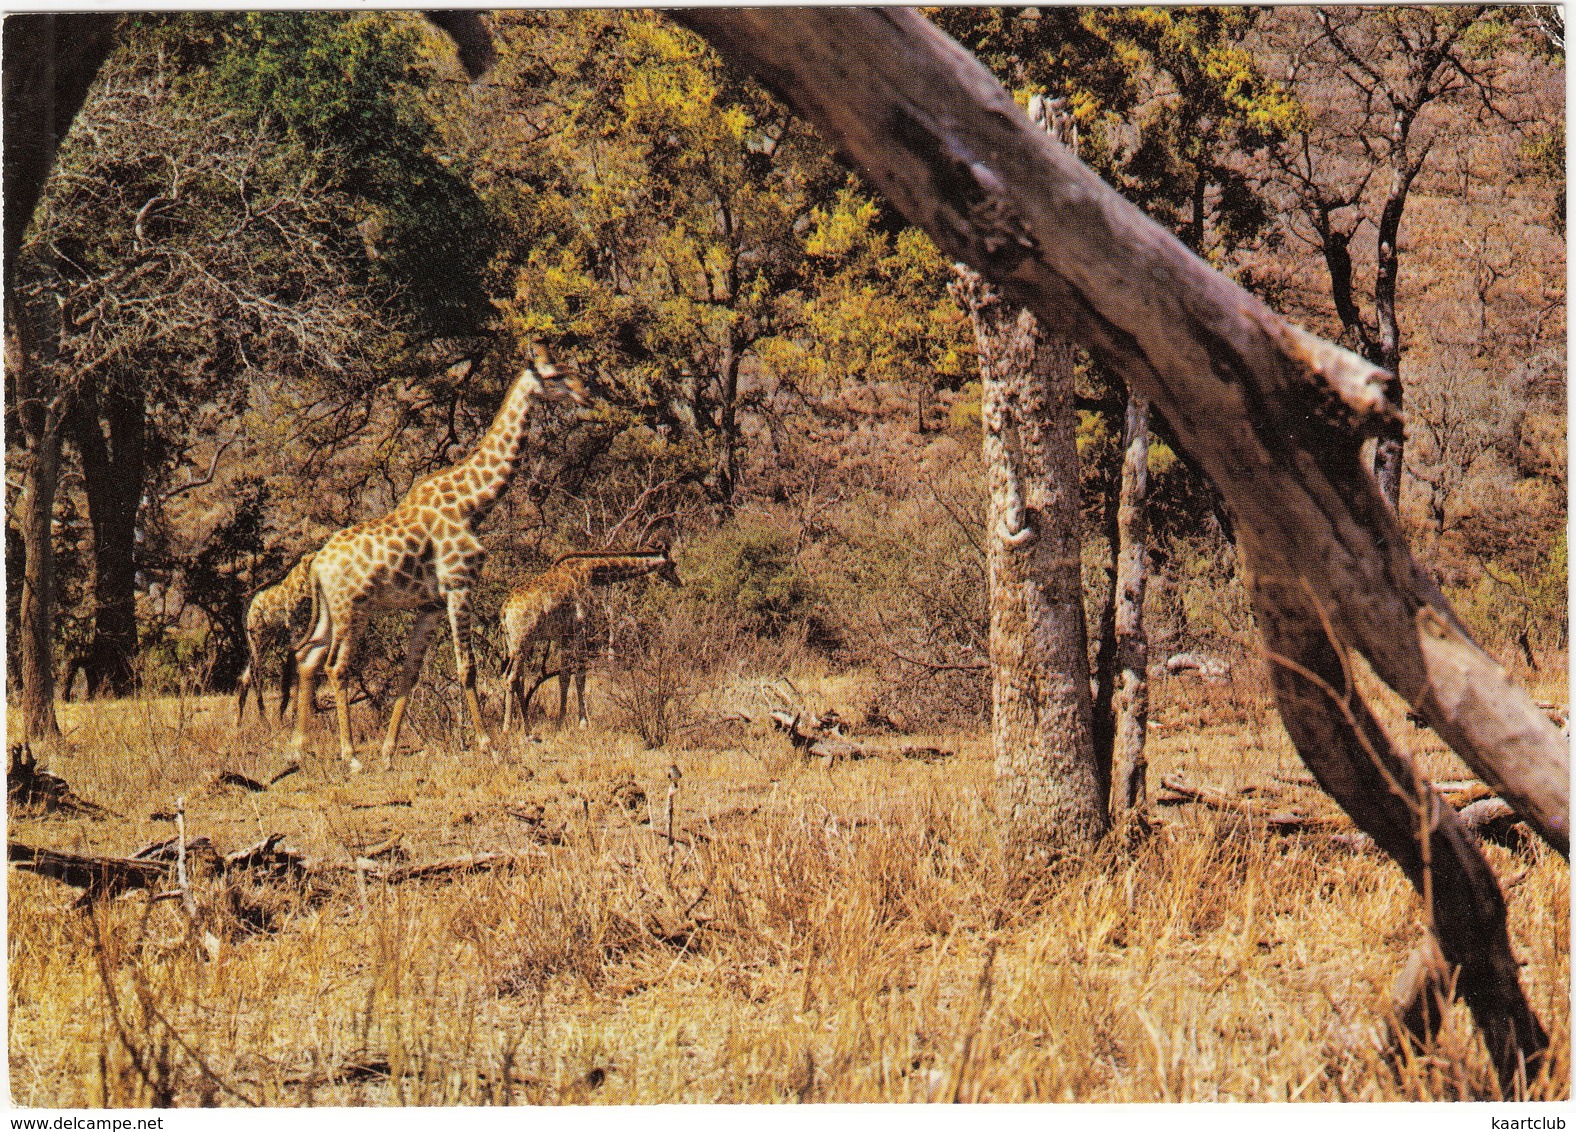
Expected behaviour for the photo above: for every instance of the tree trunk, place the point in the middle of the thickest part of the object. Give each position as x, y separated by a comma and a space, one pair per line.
112, 455
1390, 450
49, 63
1050, 789
1130, 700
728, 420
39, 417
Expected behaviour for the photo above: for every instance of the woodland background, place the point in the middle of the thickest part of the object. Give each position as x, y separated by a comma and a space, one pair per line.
272, 242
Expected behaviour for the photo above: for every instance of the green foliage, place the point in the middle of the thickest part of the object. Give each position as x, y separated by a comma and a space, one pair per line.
681, 234
350, 90
751, 566
876, 308
1503, 607
1208, 107
657, 235
1167, 101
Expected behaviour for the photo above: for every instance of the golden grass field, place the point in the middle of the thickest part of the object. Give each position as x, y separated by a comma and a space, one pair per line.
820, 934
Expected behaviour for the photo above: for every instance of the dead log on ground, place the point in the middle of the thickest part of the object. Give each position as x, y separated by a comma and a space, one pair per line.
269, 856
821, 739
926, 754
96, 876
235, 778
458, 866
1174, 791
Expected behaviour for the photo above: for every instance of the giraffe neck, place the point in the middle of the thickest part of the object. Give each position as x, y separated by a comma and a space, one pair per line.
483, 476
610, 569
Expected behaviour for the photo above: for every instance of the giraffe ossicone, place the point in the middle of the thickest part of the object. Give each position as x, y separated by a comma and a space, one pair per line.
422, 556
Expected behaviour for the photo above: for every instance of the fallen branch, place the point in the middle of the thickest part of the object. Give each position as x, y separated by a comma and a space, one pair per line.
96, 876
1175, 792
824, 738
926, 754
234, 778
458, 866
26, 785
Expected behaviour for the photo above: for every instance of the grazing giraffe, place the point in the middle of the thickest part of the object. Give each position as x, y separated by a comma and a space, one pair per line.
552, 607
274, 611
423, 556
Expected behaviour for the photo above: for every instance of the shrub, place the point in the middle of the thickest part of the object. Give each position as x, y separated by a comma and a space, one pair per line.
751, 567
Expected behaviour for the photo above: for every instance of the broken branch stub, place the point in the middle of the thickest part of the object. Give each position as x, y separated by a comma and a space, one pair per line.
1274, 415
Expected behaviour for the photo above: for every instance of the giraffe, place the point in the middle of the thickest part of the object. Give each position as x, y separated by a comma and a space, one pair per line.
273, 612
424, 556
551, 607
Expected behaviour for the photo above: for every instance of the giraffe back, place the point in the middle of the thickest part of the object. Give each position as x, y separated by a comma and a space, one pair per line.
546, 607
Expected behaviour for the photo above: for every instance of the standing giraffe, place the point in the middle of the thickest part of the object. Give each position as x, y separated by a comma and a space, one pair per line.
552, 607
274, 611
423, 556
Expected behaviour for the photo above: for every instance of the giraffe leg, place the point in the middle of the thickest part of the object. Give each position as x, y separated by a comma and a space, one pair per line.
342, 654
287, 677
309, 664
244, 683
464, 662
420, 638
250, 677
582, 652
511, 690
565, 674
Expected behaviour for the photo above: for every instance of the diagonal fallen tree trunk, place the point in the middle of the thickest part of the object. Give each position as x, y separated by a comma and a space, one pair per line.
1274, 415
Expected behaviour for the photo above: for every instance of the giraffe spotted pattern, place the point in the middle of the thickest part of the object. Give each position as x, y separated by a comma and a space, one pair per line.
276, 618
551, 608
422, 556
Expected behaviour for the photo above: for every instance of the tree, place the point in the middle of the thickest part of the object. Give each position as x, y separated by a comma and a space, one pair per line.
1381, 87
1050, 784
184, 254
212, 234
1461, 418
1050, 790
1174, 108
659, 206
37, 404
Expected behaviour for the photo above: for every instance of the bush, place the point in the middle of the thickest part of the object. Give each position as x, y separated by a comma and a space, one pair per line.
751, 568
667, 650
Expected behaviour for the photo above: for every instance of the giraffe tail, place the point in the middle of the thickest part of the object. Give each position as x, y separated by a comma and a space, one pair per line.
319, 610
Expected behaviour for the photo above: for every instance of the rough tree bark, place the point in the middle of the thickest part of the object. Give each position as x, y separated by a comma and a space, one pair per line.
1274, 415
1050, 792
1050, 782
1130, 693
49, 61
40, 414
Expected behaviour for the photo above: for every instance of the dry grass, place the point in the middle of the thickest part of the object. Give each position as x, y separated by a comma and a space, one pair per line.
827, 934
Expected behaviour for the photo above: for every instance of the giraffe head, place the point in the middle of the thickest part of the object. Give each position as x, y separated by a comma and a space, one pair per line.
553, 386
668, 571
